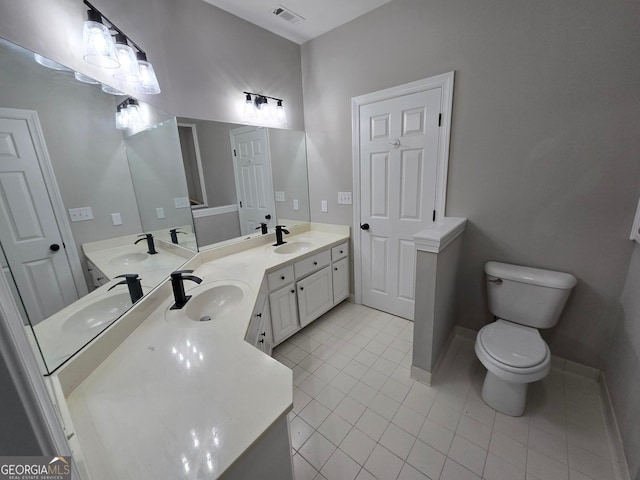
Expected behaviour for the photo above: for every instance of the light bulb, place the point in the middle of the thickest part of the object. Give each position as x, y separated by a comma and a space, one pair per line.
128, 71
98, 45
281, 115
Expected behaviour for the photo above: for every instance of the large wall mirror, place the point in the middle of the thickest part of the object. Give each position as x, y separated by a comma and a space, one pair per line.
76, 194
240, 176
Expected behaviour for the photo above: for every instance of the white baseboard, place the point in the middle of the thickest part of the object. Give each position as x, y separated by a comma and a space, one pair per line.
620, 465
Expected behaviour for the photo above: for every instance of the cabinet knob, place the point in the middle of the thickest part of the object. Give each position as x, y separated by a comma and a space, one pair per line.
293, 291
261, 340
341, 251
282, 277
336, 269
258, 314
301, 288
263, 334
315, 263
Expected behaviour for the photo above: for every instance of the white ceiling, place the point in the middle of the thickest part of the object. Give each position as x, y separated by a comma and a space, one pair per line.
320, 16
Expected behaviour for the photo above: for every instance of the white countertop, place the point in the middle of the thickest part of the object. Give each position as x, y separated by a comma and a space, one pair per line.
186, 401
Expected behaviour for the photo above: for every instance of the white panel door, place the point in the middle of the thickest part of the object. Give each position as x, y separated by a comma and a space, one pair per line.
254, 186
315, 295
284, 313
29, 232
398, 163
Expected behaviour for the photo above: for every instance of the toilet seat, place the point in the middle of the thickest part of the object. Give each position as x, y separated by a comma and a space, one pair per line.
514, 345
499, 341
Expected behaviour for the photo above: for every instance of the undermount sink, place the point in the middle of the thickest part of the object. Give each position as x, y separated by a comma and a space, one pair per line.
208, 302
128, 258
98, 313
293, 247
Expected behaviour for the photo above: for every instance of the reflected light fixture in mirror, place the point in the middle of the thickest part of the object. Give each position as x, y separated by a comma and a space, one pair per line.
47, 62
121, 53
128, 115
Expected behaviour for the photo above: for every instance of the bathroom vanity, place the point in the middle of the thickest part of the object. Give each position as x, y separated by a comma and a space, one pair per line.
193, 393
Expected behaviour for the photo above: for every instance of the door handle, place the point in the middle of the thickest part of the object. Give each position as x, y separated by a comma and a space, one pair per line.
364, 226
54, 247
268, 216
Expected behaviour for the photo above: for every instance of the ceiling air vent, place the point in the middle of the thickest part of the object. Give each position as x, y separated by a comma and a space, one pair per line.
286, 14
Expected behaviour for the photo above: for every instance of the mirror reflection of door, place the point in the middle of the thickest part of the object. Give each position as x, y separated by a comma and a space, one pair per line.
29, 232
254, 184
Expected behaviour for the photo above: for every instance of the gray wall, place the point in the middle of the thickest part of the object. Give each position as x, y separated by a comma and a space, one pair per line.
622, 370
204, 57
217, 228
544, 148
217, 160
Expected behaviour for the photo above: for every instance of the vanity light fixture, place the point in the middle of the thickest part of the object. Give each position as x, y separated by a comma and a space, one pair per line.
47, 62
128, 114
81, 77
121, 53
257, 107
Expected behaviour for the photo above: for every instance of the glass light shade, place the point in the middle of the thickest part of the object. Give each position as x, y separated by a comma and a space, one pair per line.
148, 80
249, 110
281, 115
81, 77
99, 48
122, 119
110, 90
128, 70
46, 62
135, 116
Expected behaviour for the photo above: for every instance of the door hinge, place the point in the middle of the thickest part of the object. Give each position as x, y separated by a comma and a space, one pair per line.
434, 215
234, 153
241, 204
439, 119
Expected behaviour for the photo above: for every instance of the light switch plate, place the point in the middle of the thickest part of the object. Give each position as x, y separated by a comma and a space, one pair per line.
116, 218
324, 206
181, 202
344, 198
279, 196
296, 205
160, 212
80, 214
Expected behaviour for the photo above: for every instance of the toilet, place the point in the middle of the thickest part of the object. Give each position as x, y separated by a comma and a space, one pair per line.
523, 300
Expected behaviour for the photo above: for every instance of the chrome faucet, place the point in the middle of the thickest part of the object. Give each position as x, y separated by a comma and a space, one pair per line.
132, 281
174, 235
263, 228
177, 283
151, 248
279, 231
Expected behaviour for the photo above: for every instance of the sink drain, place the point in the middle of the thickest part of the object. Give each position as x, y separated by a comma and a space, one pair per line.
206, 318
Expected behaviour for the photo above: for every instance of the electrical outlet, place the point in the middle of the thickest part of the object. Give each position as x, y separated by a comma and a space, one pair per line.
280, 197
324, 206
296, 205
80, 214
116, 218
344, 198
181, 202
160, 213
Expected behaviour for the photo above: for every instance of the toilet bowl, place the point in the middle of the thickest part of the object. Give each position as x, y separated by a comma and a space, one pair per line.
511, 348
514, 356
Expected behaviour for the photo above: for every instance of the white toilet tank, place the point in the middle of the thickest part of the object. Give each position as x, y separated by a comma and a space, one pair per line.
528, 296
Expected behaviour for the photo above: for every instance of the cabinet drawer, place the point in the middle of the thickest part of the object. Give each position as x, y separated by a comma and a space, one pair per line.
311, 264
339, 251
280, 278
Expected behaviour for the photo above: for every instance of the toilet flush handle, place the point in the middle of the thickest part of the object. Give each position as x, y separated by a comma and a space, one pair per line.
497, 281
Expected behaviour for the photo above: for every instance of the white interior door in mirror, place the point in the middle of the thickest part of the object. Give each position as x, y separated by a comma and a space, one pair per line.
635, 230
254, 184
29, 232
398, 164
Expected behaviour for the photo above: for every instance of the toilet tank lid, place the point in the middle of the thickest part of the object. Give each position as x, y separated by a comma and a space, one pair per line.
534, 276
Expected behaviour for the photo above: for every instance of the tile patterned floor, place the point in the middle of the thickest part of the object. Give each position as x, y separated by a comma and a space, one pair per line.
358, 415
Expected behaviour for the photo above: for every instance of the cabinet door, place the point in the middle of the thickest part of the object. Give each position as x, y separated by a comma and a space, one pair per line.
284, 314
340, 280
315, 295
265, 334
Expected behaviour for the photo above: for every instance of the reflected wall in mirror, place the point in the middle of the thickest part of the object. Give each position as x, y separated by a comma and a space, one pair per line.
232, 169
67, 197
